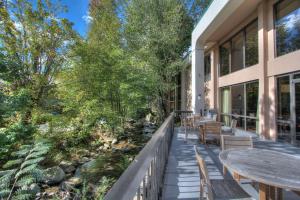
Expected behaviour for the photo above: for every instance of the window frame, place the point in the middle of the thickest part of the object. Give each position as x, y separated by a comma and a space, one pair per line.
275, 31
208, 55
245, 116
243, 31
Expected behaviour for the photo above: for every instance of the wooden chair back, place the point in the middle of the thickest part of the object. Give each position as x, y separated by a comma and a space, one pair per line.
204, 177
233, 124
197, 117
235, 142
212, 128
214, 117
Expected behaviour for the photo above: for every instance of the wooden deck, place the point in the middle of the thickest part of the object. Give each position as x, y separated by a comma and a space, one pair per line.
181, 180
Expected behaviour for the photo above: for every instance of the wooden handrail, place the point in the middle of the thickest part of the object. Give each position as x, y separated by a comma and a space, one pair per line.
143, 179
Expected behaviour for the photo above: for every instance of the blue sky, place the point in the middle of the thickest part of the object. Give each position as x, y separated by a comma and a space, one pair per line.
77, 12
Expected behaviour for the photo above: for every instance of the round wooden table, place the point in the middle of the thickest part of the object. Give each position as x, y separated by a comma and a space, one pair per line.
272, 170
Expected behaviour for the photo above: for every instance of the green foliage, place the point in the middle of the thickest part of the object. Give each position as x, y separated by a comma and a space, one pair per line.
22, 171
84, 191
101, 84
105, 184
157, 35
12, 136
34, 42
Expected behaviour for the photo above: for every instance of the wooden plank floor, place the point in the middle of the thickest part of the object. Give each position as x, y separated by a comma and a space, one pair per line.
182, 180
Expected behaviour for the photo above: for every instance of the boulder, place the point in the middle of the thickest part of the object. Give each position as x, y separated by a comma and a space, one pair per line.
87, 169
93, 155
35, 188
67, 166
53, 175
114, 141
106, 146
84, 160
71, 183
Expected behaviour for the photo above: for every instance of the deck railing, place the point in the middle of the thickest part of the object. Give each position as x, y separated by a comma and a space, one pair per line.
143, 179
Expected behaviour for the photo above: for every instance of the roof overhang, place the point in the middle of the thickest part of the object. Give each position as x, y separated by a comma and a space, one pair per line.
221, 17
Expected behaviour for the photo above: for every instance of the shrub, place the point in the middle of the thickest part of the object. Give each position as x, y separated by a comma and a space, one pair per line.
22, 171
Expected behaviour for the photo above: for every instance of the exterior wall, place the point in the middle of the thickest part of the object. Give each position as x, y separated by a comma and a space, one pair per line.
268, 67
186, 89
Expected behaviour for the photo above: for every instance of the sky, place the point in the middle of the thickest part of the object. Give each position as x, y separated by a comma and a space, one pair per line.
78, 14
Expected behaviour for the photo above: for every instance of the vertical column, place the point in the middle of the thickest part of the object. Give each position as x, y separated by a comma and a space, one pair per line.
183, 90
263, 78
215, 74
272, 108
198, 95
272, 80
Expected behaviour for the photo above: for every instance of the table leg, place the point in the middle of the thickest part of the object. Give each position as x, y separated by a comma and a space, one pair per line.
279, 194
275, 193
263, 191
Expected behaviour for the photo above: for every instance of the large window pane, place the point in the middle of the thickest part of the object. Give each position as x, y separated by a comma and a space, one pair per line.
207, 67
237, 100
240, 121
252, 99
283, 109
224, 59
252, 125
237, 52
287, 26
225, 100
225, 119
251, 44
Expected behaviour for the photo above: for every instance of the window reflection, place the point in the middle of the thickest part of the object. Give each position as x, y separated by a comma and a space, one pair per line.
287, 26
283, 109
224, 59
240, 51
251, 46
207, 66
237, 52
237, 99
243, 108
252, 99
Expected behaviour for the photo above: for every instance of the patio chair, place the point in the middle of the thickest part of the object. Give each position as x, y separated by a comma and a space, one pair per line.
196, 117
230, 130
188, 124
211, 132
219, 188
235, 142
214, 117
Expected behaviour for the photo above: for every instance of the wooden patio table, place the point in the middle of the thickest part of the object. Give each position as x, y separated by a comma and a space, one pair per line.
271, 169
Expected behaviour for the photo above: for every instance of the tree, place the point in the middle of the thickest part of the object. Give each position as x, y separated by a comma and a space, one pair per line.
100, 83
157, 35
197, 8
34, 42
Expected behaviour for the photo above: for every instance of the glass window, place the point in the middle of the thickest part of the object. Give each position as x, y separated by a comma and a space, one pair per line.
283, 109
287, 25
207, 66
225, 119
237, 52
225, 100
237, 100
251, 46
240, 122
252, 125
233, 102
296, 76
224, 59
252, 99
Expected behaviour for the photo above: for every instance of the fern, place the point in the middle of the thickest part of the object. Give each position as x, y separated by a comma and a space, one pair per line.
24, 170
12, 163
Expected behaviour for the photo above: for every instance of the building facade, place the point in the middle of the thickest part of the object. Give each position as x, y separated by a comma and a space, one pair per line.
246, 65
